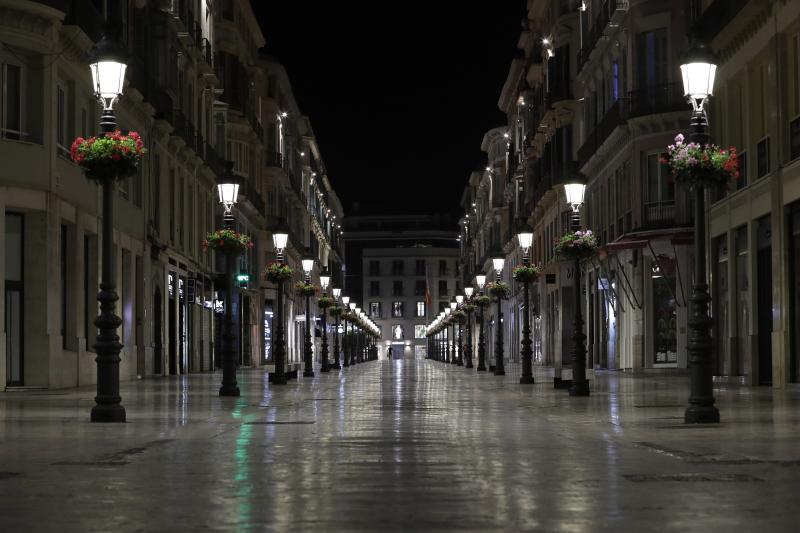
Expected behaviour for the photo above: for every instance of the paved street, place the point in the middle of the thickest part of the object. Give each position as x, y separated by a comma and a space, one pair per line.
408, 445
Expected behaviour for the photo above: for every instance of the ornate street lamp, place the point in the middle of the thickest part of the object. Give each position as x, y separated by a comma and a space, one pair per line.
468, 348
525, 239
456, 350
351, 344
308, 352
698, 70
574, 189
499, 368
324, 281
345, 339
228, 189
459, 301
481, 281
280, 238
446, 338
337, 292
108, 75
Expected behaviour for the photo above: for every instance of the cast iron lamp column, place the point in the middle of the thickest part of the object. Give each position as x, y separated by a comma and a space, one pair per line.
499, 368
228, 194
525, 240
336, 366
279, 240
345, 338
698, 72
481, 280
324, 281
108, 75
308, 371
468, 354
460, 362
446, 338
352, 342
574, 190
456, 352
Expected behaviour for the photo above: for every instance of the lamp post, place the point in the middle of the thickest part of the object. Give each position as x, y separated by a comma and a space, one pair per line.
337, 292
108, 75
459, 301
308, 371
456, 351
324, 281
228, 190
525, 239
279, 240
574, 189
345, 339
468, 348
499, 368
446, 337
352, 341
698, 71
481, 280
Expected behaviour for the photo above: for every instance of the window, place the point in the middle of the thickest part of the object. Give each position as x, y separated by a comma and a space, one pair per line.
61, 120
397, 288
374, 288
615, 81
442, 267
741, 183
652, 58
397, 332
442, 287
419, 287
420, 309
397, 309
762, 158
11, 111
660, 186
375, 309
374, 268
419, 331
794, 138
420, 267
397, 267
239, 153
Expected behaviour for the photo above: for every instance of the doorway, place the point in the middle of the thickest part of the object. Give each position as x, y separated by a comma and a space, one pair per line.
172, 347
14, 326
157, 334
764, 269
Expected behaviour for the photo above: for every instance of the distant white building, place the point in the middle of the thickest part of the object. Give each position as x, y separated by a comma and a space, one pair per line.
404, 289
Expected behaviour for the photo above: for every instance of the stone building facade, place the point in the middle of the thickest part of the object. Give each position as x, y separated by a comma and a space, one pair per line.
198, 92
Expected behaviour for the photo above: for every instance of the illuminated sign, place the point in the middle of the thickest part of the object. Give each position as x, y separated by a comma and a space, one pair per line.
243, 277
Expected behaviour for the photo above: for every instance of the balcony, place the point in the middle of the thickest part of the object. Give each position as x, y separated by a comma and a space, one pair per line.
658, 215
663, 98
213, 160
610, 15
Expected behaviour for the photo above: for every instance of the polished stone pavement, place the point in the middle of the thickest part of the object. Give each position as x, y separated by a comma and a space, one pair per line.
400, 446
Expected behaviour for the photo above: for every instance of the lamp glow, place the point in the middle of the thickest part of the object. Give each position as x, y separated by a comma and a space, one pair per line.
346, 300
336, 292
525, 239
459, 299
279, 239
468, 291
698, 70
308, 265
498, 263
481, 280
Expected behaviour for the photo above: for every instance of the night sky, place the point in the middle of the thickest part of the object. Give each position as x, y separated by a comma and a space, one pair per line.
399, 93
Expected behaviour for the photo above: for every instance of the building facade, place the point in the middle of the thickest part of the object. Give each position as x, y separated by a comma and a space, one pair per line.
199, 94
596, 89
404, 289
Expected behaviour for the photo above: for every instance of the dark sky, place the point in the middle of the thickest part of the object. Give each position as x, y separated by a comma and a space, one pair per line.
399, 93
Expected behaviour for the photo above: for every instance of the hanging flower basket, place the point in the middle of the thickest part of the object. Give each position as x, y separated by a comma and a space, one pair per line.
693, 165
325, 302
335, 311
526, 274
500, 290
459, 316
468, 308
305, 289
228, 241
483, 301
276, 272
577, 245
108, 157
